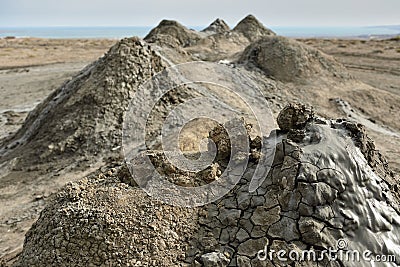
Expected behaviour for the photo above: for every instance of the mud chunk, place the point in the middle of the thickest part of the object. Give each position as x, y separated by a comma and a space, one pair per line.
294, 116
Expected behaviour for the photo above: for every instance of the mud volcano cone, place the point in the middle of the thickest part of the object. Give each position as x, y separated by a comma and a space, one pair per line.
288, 60
83, 118
252, 28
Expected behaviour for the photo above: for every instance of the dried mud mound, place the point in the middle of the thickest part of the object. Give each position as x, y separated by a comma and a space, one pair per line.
321, 189
82, 119
101, 221
288, 60
216, 42
84, 116
218, 26
252, 28
172, 31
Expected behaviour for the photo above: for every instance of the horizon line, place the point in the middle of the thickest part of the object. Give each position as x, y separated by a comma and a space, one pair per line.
188, 26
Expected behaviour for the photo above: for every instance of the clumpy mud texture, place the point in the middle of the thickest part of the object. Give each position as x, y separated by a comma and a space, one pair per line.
326, 181
182, 177
320, 189
101, 221
367, 147
294, 116
316, 193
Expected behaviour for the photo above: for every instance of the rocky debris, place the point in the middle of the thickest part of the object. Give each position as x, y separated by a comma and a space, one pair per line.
294, 116
182, 177
318, 191
172, 32
222, 142
252, 28
326, 182
218, 26
83, 118
288, 60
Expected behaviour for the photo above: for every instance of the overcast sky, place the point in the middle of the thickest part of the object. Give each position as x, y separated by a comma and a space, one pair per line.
197, 13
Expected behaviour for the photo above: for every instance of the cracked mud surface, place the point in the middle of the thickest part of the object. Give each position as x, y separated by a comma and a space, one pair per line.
308, 198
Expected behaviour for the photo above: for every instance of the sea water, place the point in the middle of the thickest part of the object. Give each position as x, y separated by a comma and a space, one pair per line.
128, 31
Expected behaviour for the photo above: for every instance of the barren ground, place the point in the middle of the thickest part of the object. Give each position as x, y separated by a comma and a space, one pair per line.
32, 68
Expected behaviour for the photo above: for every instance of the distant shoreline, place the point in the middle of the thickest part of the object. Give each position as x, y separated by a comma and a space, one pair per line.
368, 32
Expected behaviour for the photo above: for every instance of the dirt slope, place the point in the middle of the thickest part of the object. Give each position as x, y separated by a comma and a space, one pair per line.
79, 128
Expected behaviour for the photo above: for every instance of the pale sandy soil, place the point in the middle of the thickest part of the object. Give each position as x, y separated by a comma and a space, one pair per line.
374, 62
26, 52
32, 68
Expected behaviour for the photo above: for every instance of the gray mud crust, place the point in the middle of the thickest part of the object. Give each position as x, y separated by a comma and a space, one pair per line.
322, 188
